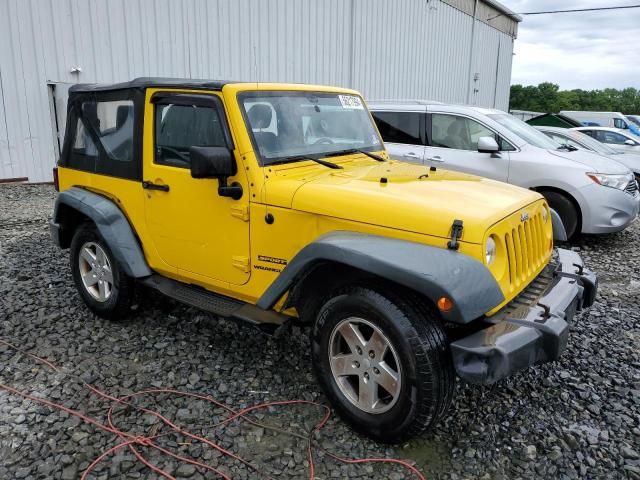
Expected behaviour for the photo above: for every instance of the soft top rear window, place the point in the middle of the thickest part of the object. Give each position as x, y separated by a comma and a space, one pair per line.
102, 133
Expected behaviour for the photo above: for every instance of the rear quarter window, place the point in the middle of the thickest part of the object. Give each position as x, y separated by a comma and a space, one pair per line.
102, 134
401, 127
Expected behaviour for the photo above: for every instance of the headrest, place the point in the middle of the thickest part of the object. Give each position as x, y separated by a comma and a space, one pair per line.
456, 127
122, 115
260, 115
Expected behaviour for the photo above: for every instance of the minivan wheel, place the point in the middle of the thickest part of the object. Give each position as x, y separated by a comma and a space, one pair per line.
102, 284
383, 360
565, 209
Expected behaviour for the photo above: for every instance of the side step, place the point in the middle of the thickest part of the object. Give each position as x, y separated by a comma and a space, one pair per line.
214, 303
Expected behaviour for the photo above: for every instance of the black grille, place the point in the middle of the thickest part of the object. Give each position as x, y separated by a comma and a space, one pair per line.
632, 188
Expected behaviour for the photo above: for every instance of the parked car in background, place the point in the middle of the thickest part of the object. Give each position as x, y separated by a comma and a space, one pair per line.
622, 140
582, 141
589, 193
635, 119
601, 119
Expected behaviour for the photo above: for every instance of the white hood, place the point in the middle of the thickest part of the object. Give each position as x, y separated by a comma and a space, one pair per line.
597, 163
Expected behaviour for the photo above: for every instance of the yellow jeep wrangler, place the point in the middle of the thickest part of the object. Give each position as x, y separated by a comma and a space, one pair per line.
273, 203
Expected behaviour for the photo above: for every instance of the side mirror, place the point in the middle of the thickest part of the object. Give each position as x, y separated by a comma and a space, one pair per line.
216, 162
487, 145
630, 142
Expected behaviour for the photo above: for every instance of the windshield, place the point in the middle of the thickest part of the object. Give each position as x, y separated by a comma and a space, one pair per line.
525, 131
592, 144
635, 119
295, 124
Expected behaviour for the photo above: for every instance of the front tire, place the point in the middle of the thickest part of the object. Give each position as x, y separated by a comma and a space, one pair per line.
101, 282
565, 208
383, 360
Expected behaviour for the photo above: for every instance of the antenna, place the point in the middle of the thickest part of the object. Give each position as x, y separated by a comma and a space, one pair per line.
255, 65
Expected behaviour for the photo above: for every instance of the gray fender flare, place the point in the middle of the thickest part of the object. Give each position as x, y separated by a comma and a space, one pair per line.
111, 223
434, 272
559, 233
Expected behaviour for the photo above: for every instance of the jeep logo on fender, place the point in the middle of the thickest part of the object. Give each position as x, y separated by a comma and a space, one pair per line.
524, 216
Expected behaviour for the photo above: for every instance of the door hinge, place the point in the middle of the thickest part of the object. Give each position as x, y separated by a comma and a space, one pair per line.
241, 263
241, 212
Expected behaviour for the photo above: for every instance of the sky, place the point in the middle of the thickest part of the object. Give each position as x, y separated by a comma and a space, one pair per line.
590, 50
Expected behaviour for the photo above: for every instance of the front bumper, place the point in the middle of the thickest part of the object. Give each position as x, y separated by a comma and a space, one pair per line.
607, 210
533, 328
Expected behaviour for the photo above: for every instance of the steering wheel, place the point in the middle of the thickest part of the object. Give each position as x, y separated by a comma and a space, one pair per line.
324, 141
175, 151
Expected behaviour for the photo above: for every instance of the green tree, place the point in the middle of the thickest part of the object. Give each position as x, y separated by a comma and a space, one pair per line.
547, 97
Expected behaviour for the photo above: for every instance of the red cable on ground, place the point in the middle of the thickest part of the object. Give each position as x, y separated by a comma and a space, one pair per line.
131, 441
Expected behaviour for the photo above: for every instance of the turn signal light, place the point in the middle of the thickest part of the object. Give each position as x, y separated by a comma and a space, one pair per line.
445, 304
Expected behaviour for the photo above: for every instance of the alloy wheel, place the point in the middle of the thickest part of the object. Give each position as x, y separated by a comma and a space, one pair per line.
365, 366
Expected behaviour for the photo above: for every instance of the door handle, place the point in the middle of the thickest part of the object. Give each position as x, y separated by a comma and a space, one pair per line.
411, 155
436, 159
154, 186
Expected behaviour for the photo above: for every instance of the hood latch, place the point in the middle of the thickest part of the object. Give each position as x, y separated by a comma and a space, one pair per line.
456, 233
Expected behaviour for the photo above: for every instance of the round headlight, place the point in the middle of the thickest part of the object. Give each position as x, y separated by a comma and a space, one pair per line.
490, 251
545, 214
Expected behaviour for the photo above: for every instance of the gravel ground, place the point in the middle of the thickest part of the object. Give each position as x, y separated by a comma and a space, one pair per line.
576, 418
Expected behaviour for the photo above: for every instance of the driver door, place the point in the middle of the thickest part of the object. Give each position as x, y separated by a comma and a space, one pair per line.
453, 145
195, 233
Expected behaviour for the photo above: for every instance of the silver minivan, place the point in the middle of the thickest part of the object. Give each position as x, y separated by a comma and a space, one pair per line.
589, 193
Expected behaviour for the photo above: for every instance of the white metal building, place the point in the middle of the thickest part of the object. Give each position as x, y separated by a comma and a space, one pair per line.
448, 50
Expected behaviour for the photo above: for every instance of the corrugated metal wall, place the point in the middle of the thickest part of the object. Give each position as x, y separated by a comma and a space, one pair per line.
399, 49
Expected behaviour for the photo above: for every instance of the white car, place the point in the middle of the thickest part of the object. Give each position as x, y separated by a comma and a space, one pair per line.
577, 139
619, 139
587, 193
601, 119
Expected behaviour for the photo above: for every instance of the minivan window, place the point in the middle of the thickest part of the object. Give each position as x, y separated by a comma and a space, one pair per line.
400, 127
525, 131
460, 133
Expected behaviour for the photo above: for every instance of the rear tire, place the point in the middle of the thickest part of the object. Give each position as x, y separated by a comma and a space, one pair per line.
567, 211
392, 392
101, 282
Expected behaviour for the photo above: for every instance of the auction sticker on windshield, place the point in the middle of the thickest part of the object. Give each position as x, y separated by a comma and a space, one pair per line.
351, 101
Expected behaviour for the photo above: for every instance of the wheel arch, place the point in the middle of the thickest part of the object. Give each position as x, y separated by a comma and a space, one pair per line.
566, 194
430, 271
76, 206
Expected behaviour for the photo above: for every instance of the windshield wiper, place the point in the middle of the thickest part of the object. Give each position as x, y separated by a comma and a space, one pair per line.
356, 150
568, 148
308, 157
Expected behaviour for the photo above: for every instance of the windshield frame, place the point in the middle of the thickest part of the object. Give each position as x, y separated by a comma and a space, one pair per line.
266, 161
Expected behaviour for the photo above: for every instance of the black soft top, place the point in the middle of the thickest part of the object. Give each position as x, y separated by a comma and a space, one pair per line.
147, 82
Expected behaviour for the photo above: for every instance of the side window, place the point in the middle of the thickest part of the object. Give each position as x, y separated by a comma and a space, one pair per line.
619, 123
505, 146
591, 133
112, 122
179, 127
611, 137
101, 135
460, 133
83, 143
400, 127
